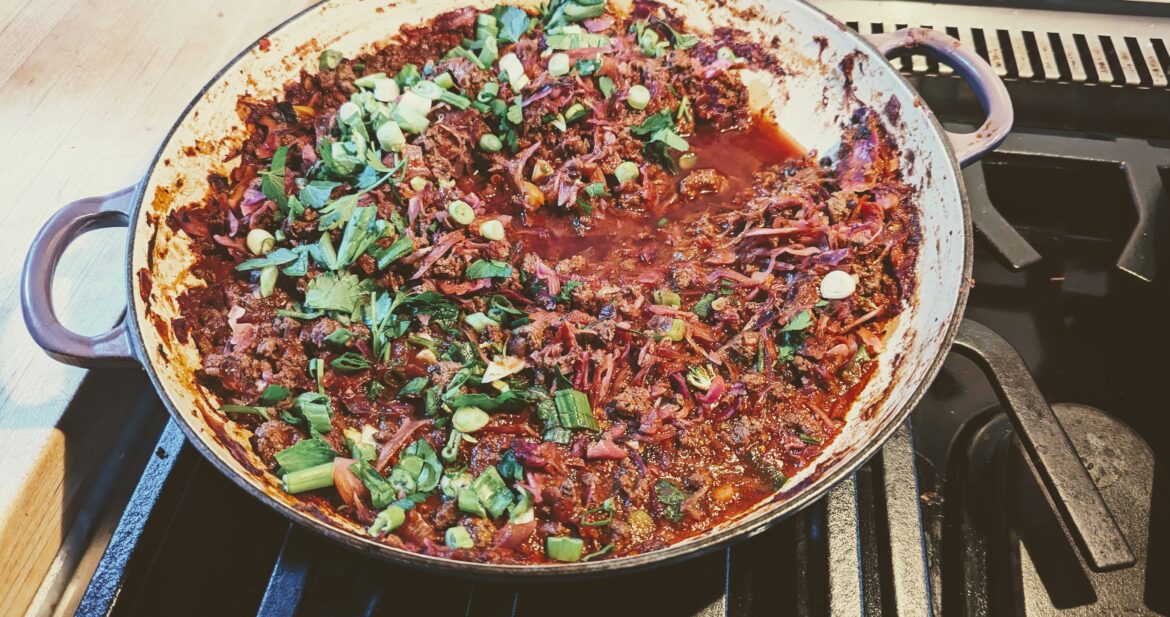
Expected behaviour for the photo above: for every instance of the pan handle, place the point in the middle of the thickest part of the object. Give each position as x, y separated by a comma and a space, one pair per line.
111, 348
1092, 524
969, 147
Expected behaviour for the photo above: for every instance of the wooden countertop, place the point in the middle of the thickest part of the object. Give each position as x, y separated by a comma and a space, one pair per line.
87, 92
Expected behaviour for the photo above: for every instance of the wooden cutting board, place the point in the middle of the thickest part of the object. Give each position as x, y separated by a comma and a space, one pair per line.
88, 89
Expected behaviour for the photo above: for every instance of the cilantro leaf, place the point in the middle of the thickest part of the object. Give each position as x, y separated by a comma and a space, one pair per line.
671, 497
277, 257
272, 181
361, 232
801, 321
488, 268
651, 125
400, 248
316, 193
330, 292
514, 23
337, 212
566, 293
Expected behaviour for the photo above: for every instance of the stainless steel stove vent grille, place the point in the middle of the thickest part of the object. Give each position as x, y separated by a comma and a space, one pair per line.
1030, 45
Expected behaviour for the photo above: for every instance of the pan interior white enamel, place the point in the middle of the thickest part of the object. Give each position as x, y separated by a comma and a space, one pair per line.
811, 101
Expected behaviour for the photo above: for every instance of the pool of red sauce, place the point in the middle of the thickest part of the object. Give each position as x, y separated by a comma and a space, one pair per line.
735, 154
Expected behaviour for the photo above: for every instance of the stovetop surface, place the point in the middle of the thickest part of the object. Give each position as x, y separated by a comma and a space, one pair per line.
1091, 332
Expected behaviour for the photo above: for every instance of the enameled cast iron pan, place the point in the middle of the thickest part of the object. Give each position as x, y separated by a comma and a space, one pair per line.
829, 71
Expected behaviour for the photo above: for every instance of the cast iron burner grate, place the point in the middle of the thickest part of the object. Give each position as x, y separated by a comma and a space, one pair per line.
950, 519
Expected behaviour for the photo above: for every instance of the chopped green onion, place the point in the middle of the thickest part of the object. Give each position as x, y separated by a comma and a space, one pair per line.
304, 454
468, 502
725, 53
445, 81
387, 520
600, 552
260, 242
700, 377
812, 441
626, 171
573, 410
605, 507
390, 136
677, 331
687, 161
414, 102
268, 280
329, 59
596, 189
492, 229
461, 212
486, 25
469, 419
605, 85
260, 411
308, 479
576, 40
458, 537
387, 90
428, 89
666, 297
493, 494
350, 362
490, 52
479, 321
561, 548
488, 92
418, 183
558, 64
490, 143
369, 81
274, 394
511, 66
349, 113
575, 112
451, 451
414, 386
638, 96
339, 336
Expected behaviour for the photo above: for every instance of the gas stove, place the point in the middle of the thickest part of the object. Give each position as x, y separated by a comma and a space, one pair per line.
957, 516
